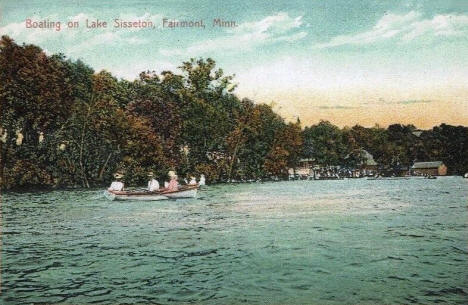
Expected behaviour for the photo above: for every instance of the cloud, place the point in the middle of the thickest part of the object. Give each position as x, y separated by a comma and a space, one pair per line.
105, 38
271, 29
382, 101
279, 24
337, 107
404, 27
379, 101
408, 102
440, 25
293, 37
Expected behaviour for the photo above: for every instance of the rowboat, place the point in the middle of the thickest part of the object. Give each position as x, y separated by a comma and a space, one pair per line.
134, 195
186, 191
388, 178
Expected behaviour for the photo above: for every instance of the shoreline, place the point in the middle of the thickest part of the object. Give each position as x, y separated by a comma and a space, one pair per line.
39, 189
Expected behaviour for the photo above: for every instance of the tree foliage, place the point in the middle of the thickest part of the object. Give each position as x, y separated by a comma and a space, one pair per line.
63, 124
395, 147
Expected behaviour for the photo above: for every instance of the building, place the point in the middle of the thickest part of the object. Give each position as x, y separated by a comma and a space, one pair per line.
306, 163
401, 170
368, 162
303, 170
417, 132
434, 168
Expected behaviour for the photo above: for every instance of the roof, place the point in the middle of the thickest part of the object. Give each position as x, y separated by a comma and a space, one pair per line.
369, 159
417, 132
432, 164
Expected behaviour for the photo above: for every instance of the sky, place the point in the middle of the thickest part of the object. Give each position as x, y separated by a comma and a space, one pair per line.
350, 62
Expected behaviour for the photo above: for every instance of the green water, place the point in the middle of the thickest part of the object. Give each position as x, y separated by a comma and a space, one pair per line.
301, 242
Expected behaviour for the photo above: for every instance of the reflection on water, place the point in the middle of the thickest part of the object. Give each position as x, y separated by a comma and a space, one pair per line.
302, 242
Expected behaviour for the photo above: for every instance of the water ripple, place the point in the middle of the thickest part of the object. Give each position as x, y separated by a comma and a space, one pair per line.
288, 243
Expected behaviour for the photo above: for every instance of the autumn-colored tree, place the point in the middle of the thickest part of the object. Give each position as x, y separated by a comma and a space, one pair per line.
35, 98
62, 124
285, 151
157, 99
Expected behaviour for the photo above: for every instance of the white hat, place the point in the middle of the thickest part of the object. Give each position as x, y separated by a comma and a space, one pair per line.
118, 175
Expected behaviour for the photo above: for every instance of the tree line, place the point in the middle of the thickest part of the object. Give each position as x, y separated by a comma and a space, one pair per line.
63, 124
395, 147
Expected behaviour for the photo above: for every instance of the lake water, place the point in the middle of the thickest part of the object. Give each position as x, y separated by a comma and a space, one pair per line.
299, 242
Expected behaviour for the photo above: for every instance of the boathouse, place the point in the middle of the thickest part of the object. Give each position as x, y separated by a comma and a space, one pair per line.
303, 170
434, 168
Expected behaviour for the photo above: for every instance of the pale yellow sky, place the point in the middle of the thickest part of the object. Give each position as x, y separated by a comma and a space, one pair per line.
423, 107
361, 90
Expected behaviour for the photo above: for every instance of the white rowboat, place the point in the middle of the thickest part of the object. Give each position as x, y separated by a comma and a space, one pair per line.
189, 191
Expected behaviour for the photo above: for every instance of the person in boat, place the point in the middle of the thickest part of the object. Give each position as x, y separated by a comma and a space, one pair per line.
202, 180
153, 184
118, 184
173, 184
193, 181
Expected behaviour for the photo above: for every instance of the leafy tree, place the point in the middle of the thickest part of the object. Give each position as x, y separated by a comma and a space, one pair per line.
35, 97
448, 144
324, 143
160, 102
208, 109
62, 124
285, 151
260, 132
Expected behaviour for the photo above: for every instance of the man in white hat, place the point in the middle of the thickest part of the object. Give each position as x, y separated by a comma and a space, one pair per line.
117, 185
193, 181
202, 180
153, 184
